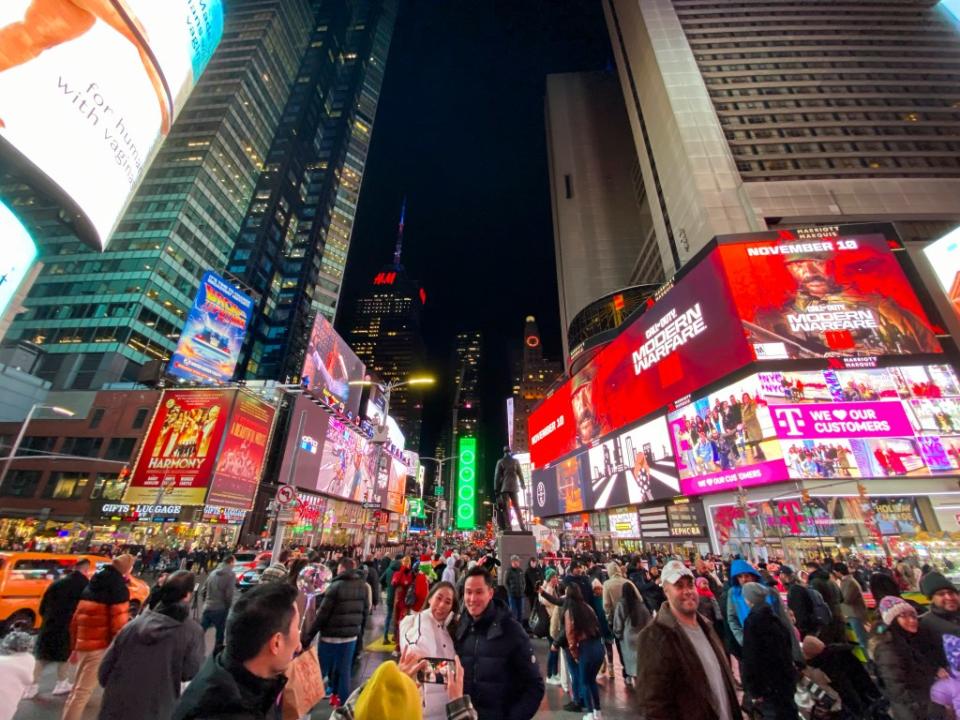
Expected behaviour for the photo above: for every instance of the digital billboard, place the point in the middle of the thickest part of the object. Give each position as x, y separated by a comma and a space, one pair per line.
944, 258
19, 253
824, 295
331, 365
624, 524
465, 504
689, 338
307, 445
392, 499
213, 333
347, 464
90, 88
238, 469
178, 453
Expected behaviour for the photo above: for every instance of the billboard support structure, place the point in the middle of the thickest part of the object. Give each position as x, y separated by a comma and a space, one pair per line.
279, 526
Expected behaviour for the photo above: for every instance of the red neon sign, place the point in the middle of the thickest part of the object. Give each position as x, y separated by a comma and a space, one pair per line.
384, 278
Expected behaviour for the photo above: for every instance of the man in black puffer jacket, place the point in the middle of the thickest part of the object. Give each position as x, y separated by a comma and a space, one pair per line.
500, 670
340, 619
766, 669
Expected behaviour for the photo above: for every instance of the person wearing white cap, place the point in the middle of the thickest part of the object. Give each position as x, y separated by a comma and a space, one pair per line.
682, 671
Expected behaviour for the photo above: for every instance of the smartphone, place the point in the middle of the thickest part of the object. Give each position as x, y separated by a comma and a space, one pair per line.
436, 671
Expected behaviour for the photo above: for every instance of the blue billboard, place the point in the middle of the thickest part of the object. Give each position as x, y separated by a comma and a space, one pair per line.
213, 334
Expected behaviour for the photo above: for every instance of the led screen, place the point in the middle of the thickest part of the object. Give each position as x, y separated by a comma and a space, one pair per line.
213, 333
19, 252
466, 511
90, 88
348, 464
307, 445
624, 524
944, 257
331, 365
237, 473
825, 296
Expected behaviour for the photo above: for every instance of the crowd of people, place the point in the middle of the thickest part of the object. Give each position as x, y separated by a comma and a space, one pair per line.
699, 637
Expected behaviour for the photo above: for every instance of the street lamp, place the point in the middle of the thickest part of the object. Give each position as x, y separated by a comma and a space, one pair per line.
436, 514
23, 430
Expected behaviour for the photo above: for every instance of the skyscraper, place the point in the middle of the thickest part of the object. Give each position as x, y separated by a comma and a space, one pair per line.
386, 335
748, 115
293, 248
603, 232
100, 316
537, 375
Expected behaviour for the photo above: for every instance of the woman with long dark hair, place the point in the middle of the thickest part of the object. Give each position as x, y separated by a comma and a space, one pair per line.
584, 648
629, 618
430, 633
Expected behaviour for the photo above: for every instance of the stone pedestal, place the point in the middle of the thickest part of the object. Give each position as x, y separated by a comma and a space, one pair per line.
514, 543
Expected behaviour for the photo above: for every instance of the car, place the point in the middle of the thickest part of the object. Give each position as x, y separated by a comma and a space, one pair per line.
248, 560
248, 579
25, 576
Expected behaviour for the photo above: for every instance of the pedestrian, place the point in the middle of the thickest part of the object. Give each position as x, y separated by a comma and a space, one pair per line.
103, 610
17, 664
57, 606
575, 574
583, 642
629, 617
766, 669
681, 666
835, 629
341, 616
276, 572
217, 597
165, 645
550, 598
427, 633
709, 607
906, 669
500, 669
516, 586
450, 571
533, 579
244, 681
595, 601
611, 594
800, 602
401, 581
853, 606
943, 618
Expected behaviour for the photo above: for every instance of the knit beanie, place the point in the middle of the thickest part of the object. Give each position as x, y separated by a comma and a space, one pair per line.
277, 572
124, 563
933, 581
812, 646
549, 573
891, 607
388, 694
754, 593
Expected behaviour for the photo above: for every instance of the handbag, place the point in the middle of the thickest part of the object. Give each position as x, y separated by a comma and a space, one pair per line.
304, 688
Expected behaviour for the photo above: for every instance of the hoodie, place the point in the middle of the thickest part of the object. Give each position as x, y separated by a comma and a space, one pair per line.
164, 645
737, 608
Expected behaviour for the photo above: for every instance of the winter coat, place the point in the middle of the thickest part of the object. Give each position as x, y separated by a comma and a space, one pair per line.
836, 631
459, 709
103, 610
373, 580
16, 675
612, 591
508, 476
218, 590
767, 668
628, 635
907, 673
431, 639
57, 608
581, 581
533, 576
516, 582
671, 680
450, 571
343, 610
226, 690
386, 577
500, 670
164, 645
853, 603
554, 607
934, 624
800, 602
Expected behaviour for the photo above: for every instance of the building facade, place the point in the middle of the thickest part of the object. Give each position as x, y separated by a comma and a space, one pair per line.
98, 316
292, 250
603, 231
754, 115
538, 374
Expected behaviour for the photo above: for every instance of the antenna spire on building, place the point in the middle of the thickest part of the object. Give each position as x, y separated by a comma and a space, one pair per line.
399, 248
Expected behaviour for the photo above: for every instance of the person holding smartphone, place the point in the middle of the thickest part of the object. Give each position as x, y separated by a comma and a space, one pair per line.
428, 634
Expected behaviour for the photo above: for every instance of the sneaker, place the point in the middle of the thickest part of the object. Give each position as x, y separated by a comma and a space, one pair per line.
555, 680
573, 706
62, 687
334, 701
31, 692
597, 715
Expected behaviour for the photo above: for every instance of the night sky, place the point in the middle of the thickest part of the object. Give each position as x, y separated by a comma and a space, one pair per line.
460, 132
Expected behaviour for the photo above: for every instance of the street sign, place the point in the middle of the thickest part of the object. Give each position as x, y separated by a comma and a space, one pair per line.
287, 515
286, 495
371, 506
438, 490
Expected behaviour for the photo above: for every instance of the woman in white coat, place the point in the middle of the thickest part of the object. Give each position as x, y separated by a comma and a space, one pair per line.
430, 633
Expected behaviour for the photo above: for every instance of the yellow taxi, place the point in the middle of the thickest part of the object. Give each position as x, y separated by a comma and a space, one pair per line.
25, 576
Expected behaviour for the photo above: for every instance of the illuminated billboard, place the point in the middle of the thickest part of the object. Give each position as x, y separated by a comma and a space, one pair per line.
331, 365
824, 295
392, 499
90, 88
213, 333
952, 7
944, 258
624, 524
466, 511
238, 469
347, 464
178, 453
19, 253
307, 445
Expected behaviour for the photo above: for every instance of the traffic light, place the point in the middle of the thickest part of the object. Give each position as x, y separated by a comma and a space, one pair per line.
805, 494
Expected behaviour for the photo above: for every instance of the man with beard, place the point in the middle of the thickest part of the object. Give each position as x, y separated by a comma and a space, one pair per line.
822, 307
584, 412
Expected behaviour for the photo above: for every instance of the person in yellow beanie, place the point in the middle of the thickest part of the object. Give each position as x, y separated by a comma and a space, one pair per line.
392, 693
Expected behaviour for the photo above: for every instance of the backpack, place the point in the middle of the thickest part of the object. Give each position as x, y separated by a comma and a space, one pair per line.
821, 611
410, 599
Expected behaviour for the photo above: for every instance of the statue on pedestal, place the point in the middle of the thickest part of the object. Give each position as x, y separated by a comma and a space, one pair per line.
507, 483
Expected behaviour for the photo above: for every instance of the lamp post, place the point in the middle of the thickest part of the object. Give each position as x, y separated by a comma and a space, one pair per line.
23, 431
380, 436
436, 515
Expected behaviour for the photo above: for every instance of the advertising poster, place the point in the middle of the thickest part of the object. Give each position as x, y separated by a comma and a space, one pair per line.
88, 89
815, 297
307, 446
238, 469
635, 466
331, 365
689, 338
213, 333
624, 524
178, 453
19, 253
392, 499
347, 465
944, 258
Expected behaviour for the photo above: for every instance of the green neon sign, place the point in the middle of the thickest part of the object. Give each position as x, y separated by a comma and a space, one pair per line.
466, 484
415, 508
